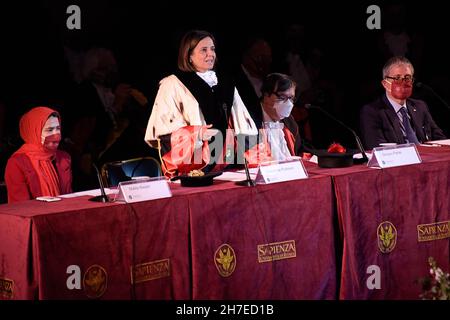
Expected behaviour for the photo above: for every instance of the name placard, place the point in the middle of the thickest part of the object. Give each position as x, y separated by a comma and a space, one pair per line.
143, 190
394, 156
279, 171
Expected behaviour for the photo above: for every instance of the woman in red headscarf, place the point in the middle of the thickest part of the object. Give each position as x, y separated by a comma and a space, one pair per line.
38, 168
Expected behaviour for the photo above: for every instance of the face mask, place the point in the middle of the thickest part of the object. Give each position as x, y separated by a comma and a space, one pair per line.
283, 109
51, 142
401, 91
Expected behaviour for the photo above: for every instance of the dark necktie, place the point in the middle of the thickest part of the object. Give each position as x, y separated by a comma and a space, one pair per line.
410, 134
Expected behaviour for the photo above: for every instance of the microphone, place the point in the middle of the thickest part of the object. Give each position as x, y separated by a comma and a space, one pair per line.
102, 197
225, 110
248, 182
358, 140
422, 85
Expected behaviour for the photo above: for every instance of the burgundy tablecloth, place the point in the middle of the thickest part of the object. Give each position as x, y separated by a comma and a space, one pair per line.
158, 249
415, 199
39, 242
289, 215
227, 242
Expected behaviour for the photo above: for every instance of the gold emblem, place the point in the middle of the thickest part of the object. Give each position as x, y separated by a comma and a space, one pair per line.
6, 288
225, 260
95, 281
387, 236
433, 231
276, 251
150, 271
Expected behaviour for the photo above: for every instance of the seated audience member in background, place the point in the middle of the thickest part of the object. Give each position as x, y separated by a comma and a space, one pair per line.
255, 66
194, 108
38, 168
279, 136
107, 120
395, 117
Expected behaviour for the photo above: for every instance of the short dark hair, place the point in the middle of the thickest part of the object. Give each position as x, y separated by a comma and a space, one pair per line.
189, 41
276, 82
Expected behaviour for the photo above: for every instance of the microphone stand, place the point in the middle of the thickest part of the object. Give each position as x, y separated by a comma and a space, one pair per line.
248, 182
358, 141
225, 110
429, 89
102, 197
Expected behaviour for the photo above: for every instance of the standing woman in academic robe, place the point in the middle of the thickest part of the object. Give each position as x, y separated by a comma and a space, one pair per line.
38, 168
194, 108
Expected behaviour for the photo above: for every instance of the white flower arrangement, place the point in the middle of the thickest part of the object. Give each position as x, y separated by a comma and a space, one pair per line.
437, 285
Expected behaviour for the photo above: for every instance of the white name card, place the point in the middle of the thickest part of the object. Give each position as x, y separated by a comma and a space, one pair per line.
394, 156
279, 171
143, 190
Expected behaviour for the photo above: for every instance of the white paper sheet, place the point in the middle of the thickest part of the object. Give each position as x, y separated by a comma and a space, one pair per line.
93, 193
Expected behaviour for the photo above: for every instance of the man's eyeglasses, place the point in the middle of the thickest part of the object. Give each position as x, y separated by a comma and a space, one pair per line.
283, 98
399, 79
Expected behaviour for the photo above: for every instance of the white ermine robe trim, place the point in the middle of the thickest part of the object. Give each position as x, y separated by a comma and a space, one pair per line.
175, 107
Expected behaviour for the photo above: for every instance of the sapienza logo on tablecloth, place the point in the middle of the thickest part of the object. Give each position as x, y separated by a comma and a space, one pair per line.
276, 251
150, 271
433, 231
386, 239
95, 280
6, 288
225, 260
387, 236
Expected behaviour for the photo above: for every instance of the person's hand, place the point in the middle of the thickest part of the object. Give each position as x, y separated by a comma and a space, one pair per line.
122, 93
139, 97
207, 133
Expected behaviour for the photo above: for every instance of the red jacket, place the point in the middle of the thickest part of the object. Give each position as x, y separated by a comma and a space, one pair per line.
22, 182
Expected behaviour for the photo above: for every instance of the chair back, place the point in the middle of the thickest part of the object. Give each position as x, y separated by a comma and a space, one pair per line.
117, 171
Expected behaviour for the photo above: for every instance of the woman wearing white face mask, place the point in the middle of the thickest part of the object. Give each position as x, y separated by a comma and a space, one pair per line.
279, 135
38, 168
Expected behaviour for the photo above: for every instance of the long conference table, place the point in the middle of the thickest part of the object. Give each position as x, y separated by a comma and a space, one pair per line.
344, 233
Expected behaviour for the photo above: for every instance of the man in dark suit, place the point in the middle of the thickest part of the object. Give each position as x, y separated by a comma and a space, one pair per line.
395, 117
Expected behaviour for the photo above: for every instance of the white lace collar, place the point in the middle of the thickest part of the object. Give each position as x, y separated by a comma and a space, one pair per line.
209, 77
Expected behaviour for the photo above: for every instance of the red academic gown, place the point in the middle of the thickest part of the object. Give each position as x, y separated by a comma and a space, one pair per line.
22, 182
